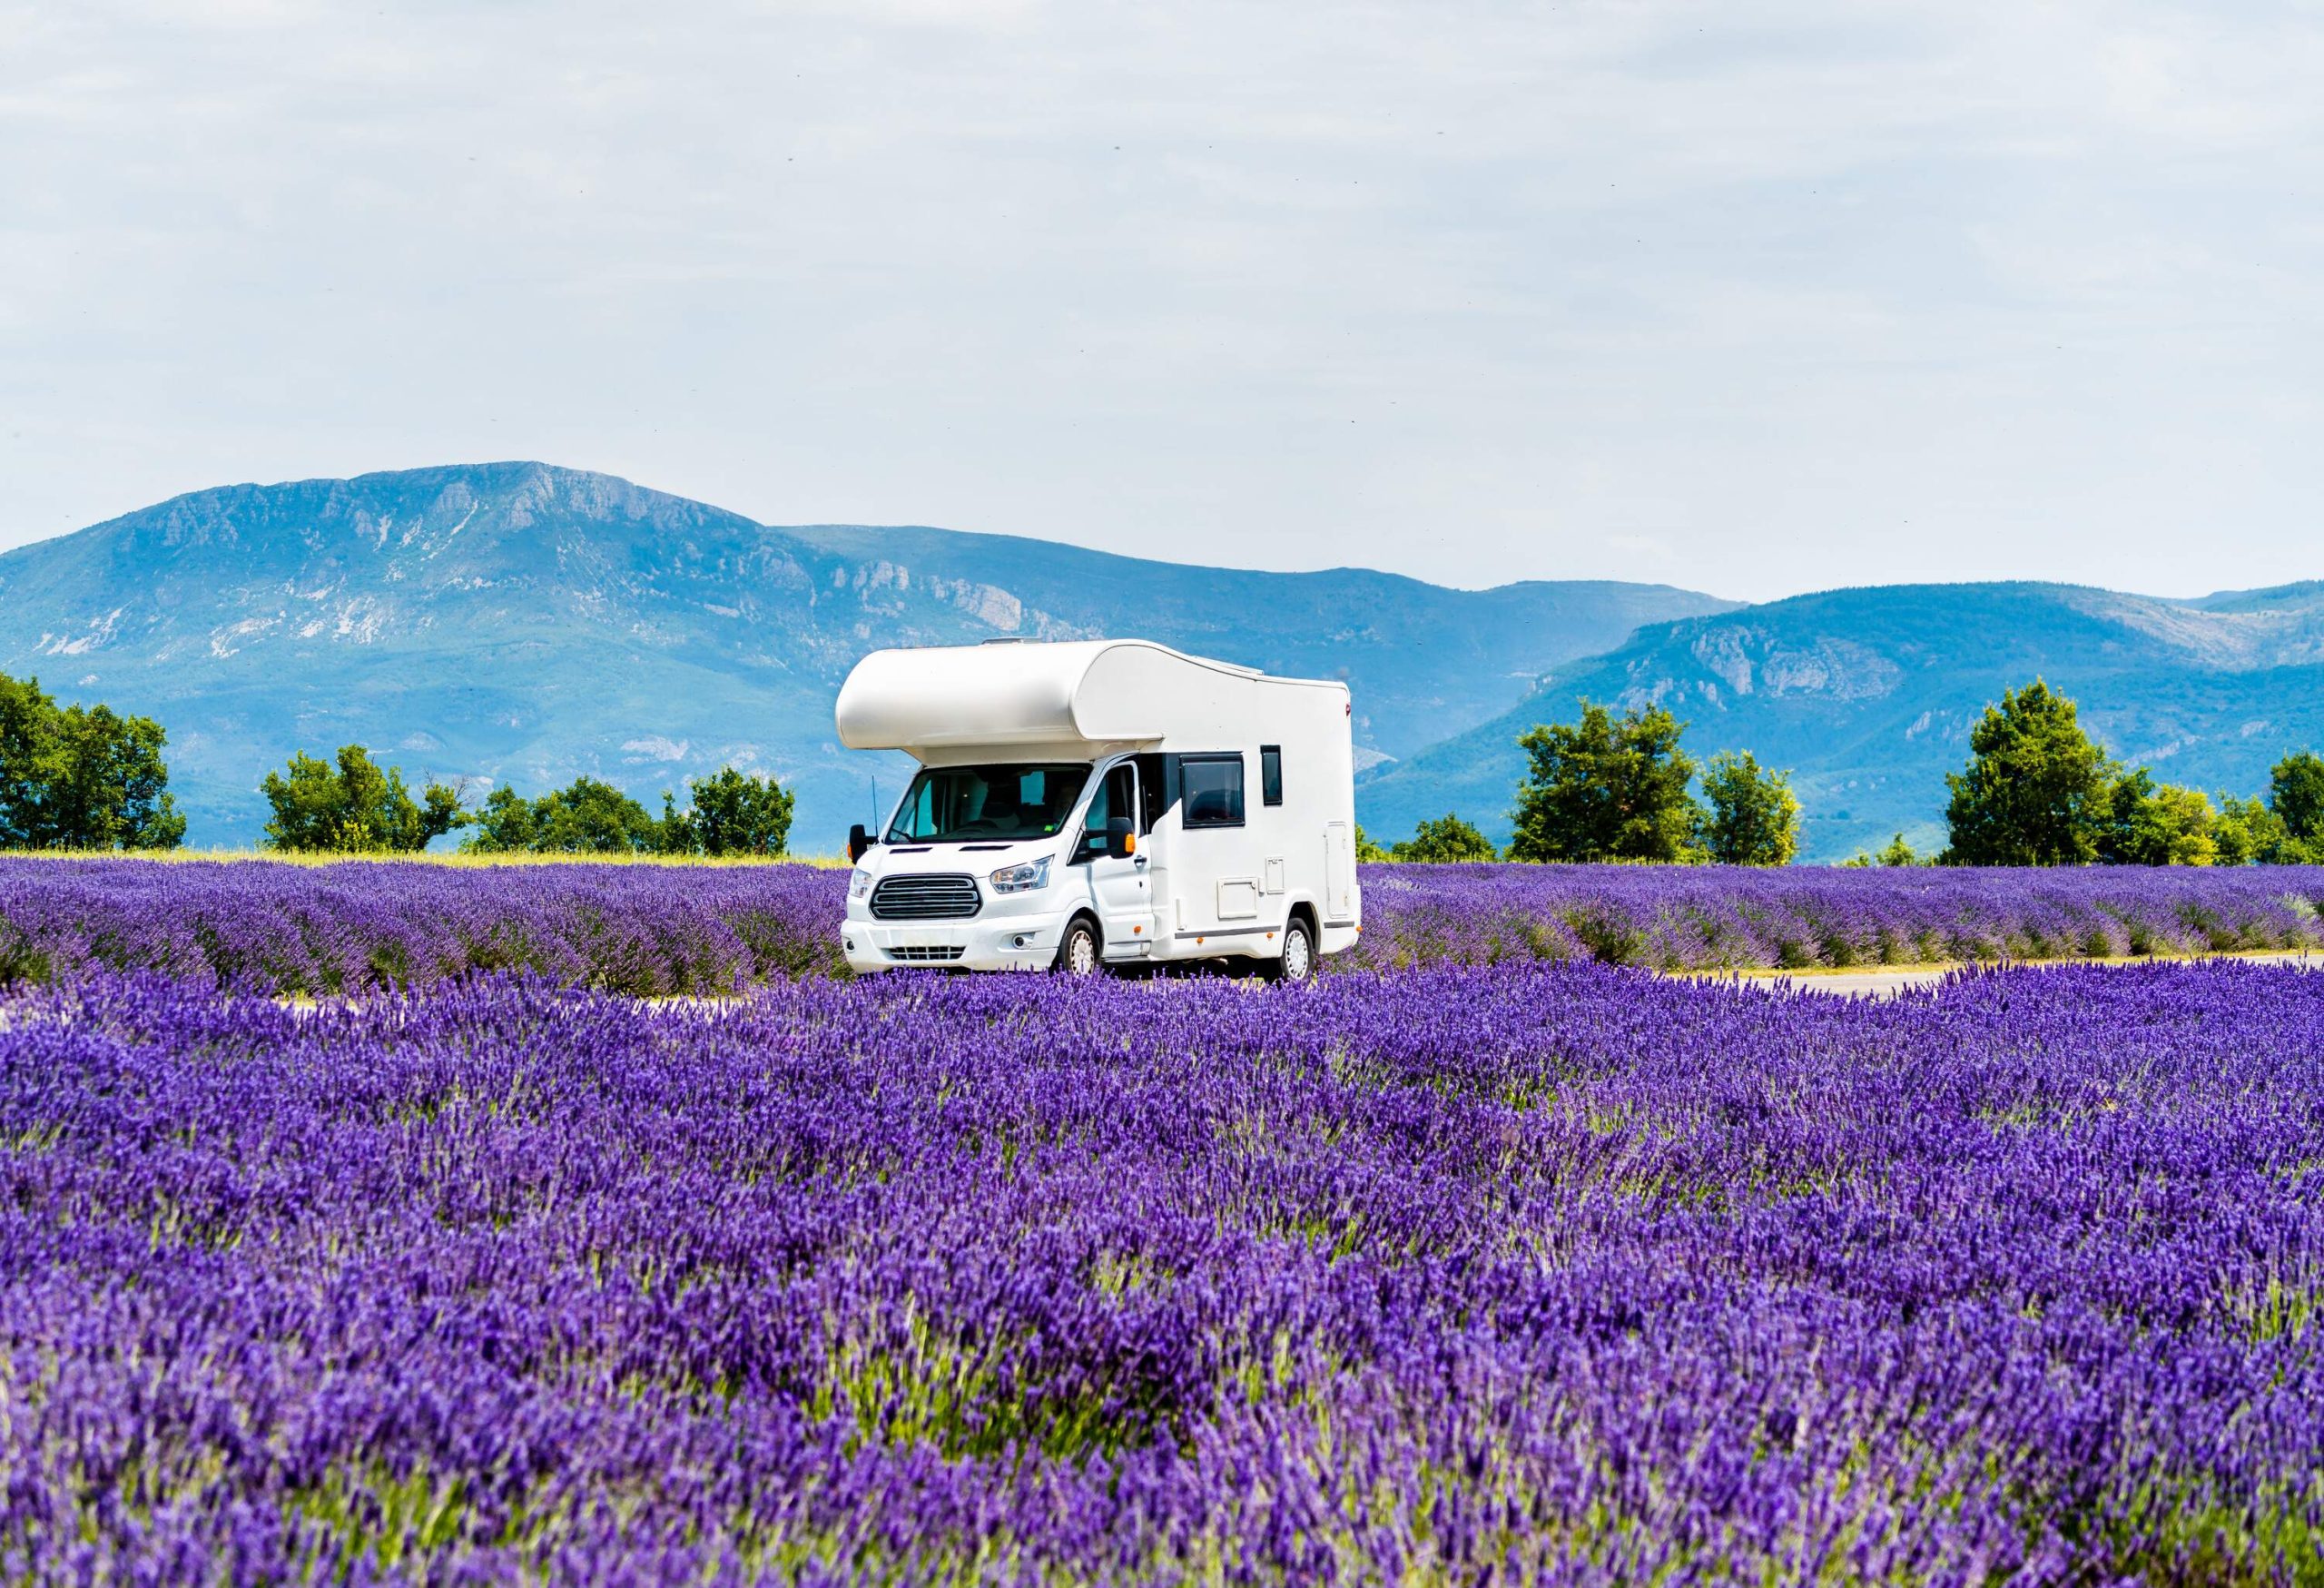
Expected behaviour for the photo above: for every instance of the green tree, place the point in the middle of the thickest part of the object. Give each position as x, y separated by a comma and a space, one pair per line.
2262, 832
29, 755
1900, 853
355, 807
1896, 852
1607, 789
2145, 823
585, 817
2296, 795
2036, 789
1366, 851
2248, 833
1754, 818
1446, 840
83, 777
503, 824
733, 813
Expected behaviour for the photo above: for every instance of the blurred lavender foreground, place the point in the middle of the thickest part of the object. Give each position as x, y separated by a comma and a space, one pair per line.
361, 926
1481, 1275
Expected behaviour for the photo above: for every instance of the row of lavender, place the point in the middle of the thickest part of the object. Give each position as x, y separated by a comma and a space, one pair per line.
361, 926
1705, 918
1481, 1275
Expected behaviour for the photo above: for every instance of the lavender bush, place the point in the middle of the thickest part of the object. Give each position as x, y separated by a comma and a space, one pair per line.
360, 926
1482, 1275
1703, 918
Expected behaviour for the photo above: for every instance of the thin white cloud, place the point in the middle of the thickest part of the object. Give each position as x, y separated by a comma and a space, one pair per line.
1754, 299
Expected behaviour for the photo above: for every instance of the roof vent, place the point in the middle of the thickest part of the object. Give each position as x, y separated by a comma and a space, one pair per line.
1006, 639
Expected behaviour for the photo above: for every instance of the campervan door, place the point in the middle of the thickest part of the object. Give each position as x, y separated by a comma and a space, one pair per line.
1213, 851
1248, 801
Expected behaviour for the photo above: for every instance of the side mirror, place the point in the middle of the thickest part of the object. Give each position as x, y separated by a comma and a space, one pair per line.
1121, 837
857, 840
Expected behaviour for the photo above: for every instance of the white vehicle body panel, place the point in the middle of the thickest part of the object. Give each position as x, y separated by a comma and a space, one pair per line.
1202, 885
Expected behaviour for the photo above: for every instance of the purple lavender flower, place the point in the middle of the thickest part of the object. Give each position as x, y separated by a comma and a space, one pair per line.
361, 927
1504, 1273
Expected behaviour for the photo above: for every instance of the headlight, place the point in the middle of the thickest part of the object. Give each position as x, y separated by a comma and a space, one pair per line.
858, 884
1022, 879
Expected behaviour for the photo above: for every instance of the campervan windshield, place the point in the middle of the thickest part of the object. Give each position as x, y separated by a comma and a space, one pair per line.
963, 804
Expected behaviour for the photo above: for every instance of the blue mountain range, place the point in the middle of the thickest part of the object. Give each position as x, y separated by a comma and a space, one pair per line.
524, 623
1868, 696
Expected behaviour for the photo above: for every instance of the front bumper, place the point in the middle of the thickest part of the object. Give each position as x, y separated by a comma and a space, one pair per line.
999, 942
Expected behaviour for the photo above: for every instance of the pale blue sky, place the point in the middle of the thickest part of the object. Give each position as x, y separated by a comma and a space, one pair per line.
1755, 299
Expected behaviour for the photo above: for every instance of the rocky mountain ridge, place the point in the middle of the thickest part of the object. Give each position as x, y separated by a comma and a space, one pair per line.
1868, 695
522, 623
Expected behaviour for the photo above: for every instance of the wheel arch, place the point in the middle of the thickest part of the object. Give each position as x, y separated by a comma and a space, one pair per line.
1303, 909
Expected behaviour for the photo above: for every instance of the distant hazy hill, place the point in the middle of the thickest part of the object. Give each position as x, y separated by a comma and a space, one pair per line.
1869, 694
524, 624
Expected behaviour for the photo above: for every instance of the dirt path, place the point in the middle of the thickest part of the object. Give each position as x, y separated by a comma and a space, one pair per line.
1887, 981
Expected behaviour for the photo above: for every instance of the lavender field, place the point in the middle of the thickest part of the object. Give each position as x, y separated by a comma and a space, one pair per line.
1709, 918
1487, 1274
363, 926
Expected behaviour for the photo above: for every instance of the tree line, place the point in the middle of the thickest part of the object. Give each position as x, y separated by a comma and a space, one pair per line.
356, 806
1610, 788
2037, 790
75, 777
88, 778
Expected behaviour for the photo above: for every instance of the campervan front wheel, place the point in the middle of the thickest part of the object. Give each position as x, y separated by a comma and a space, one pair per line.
1298, 952
1077, 954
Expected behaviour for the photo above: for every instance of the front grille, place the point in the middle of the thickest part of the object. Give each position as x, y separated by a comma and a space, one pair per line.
925, 897
927, 955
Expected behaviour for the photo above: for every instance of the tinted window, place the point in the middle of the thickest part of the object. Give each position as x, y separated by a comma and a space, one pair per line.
1116, 796
962, 803
1156, 789
1212, 787
1270, 774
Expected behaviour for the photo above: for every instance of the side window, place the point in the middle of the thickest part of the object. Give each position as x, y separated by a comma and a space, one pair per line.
1211, 786
1115, 796
1270, 774
1156, 791
1121, 790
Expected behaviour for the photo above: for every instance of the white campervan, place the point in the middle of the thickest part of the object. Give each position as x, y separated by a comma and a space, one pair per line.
1100, 802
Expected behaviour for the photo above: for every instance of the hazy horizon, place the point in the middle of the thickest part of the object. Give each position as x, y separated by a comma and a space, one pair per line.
1753, 303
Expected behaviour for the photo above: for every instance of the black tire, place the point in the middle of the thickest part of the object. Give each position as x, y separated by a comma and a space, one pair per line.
1079, 953
1298, 961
